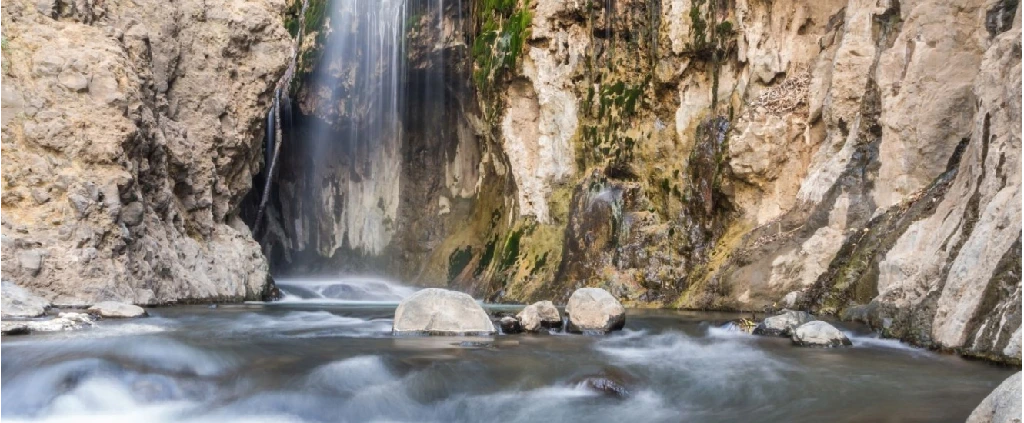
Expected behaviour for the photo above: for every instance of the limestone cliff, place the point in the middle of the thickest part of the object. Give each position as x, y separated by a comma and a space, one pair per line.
131, 131
861, 156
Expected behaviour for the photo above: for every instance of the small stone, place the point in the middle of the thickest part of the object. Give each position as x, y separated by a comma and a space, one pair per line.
594, 310
131, 214
819, 334
540, 315
114, 309
74, 81
510, 325
80, 203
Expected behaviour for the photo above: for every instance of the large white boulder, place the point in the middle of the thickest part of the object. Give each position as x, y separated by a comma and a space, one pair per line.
16, 301
819, 334
1003, 405
594, 310
439, 311
114, 309
540, 315
783, 324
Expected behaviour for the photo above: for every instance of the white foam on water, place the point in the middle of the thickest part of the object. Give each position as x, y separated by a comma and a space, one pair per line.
875, 341
348, 290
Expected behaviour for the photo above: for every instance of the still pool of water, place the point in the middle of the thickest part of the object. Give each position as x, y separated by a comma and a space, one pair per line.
316, 358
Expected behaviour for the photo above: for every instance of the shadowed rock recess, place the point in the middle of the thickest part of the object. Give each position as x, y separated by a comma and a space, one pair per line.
859, 159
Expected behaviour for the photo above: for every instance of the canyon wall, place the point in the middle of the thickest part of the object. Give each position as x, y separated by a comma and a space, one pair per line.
131, 132
856, 158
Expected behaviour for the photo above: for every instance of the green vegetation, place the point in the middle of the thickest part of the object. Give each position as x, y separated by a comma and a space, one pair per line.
316, 12
458, 261
603, 135
502, 28
710, 39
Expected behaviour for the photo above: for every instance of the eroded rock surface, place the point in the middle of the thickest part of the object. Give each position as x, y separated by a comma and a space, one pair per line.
131, 131
16, 301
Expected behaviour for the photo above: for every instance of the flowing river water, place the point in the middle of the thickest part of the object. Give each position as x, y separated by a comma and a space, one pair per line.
326, 354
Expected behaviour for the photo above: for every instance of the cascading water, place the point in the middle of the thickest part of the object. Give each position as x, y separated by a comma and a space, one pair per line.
355, 165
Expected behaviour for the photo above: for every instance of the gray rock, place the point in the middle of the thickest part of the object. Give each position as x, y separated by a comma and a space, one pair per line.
510, 325
594, 310
782, 324
439, 311
31, 261
115, 309
131, 214
20, 302
1003, 405
819, 334
540, 315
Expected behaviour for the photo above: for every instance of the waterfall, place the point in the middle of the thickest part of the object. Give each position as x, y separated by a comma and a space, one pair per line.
355, 164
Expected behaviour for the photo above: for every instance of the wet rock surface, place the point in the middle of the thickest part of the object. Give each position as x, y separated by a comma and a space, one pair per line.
819, 334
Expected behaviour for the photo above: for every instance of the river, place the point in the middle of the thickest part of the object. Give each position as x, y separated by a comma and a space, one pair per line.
326, 354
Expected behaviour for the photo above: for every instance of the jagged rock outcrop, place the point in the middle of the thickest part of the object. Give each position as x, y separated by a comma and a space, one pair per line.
729, 154
131, 131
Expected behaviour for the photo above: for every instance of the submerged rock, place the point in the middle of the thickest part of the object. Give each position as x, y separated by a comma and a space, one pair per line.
63, 321
540, 315
510, 325
114, 309
439, 311
594, 309
783, 324
16, 301
1003, 405
819, 334
605, 386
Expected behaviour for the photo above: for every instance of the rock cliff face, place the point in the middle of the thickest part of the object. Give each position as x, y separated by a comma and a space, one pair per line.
131, 131
723, 154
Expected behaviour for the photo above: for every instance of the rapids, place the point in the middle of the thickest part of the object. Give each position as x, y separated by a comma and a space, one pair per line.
326, 354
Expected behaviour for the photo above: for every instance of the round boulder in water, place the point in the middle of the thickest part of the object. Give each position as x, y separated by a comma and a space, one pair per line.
783, 324
819, 334
540, 315
594, 310
114, 309
437, 311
